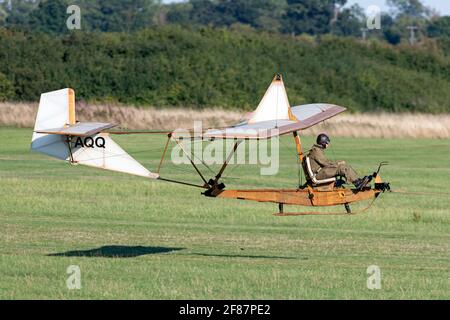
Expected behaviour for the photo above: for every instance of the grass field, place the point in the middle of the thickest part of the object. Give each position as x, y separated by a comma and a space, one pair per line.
138, 239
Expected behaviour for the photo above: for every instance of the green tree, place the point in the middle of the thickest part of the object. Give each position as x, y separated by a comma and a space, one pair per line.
3, 11
391, 31
349, 21
203, 11
411, 8
17, 11
406, 13
439, 27
127, 15
260, 14
179, 13
310, 16
6, 88
91, 15
50, 16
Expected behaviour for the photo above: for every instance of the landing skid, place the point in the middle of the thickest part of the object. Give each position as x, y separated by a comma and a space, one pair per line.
347, 213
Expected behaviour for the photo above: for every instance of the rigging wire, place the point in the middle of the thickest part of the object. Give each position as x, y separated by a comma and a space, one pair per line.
122, 154
412, 193
277, 107
228, 176
201, 160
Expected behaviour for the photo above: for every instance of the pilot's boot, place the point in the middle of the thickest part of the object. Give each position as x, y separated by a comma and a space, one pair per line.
361, 183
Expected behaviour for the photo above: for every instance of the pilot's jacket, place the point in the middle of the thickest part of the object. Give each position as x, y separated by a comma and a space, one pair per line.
325, 169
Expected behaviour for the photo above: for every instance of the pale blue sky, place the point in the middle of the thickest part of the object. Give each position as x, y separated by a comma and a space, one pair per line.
443, 6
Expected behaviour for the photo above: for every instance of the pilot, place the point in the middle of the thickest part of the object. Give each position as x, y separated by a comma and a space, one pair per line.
325, 169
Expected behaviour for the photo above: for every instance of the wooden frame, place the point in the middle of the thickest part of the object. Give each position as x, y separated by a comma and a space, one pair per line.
311, 196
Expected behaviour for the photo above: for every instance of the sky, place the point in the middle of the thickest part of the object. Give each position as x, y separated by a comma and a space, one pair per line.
443, 6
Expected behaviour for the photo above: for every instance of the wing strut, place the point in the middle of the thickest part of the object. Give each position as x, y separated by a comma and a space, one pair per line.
164, 153
69, 141
301, 156
298, 143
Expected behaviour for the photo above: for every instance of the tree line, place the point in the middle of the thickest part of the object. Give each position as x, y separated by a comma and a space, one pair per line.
174, 66
294, 17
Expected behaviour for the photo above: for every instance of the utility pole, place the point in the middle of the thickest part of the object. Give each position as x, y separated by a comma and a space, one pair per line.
412, 34
335, 17
335, 14
364, 33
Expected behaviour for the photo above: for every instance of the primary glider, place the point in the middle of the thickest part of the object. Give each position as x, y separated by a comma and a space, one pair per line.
59, 135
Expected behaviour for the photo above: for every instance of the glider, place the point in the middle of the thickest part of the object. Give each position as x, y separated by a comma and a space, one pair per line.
59, 135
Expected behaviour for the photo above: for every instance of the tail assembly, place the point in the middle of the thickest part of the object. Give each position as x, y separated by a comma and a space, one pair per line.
59, 135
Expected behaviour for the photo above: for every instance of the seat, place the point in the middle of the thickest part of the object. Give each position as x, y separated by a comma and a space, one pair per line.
312, 176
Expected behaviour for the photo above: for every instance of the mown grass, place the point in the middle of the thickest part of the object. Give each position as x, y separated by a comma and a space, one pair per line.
138, 239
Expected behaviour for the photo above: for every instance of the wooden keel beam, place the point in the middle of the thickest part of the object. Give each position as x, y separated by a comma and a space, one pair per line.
301, 197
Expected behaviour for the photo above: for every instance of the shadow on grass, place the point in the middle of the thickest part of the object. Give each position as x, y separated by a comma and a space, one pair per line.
116, 252
246, 256
136, 251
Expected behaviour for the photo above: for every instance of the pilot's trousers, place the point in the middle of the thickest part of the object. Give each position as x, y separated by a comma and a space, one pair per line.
338, 170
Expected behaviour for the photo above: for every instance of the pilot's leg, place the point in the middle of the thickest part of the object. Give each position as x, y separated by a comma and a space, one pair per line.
327, 173
347, 172
340, 170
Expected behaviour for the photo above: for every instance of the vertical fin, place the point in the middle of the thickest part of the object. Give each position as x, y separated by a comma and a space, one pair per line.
274, 105
53, 112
